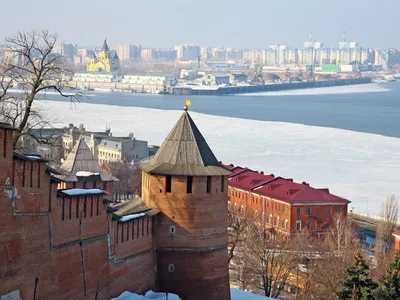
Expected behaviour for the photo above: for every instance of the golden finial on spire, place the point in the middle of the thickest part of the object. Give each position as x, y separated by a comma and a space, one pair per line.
187, 104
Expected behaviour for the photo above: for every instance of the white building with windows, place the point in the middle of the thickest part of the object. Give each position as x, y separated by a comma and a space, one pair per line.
215, 79
149, 82
103, 77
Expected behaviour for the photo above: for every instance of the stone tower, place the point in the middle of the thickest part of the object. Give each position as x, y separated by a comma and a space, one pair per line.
185, 182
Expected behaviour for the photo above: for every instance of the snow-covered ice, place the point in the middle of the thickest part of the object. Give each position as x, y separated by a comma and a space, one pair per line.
362, 167
346, 89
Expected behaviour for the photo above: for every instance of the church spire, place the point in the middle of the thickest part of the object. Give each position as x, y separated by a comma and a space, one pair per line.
105, 46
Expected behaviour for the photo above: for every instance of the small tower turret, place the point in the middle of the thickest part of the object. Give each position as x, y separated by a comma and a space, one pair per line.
185, 182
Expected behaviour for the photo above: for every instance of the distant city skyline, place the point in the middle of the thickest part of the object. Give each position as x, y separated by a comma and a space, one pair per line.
231, 23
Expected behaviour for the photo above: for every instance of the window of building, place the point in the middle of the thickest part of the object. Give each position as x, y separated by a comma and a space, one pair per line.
172, 229
209, 184
329, 210
257, 201
168, 183
189, 184
242, 209
308, 224
235, 211
222, 184
340, 209
94, 184
270, 219
309, 211
278, 222
299, 211
232, 194
171, 268
286, 224
298, 225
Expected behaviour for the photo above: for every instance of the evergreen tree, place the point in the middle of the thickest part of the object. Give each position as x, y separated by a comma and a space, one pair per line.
357, 285
389, 287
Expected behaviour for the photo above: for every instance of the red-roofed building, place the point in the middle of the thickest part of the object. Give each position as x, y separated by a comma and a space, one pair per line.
283, 205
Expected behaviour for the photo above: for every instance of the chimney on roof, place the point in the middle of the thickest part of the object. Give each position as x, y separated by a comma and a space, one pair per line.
290, 179
231, 165
272, 175
262, 172
305, 183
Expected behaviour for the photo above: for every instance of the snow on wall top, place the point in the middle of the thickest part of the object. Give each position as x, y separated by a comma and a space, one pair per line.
131, 217
76, 192
85, 174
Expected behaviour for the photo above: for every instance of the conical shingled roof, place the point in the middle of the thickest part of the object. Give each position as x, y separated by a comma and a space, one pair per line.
81, 159
185, 152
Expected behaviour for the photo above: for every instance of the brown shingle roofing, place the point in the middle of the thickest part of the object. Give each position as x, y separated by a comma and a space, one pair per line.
185, 152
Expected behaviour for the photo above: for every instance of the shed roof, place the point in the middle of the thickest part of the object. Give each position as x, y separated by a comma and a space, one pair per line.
185, 152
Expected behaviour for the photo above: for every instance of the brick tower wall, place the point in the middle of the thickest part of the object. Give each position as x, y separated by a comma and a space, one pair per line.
6, 155
191, 235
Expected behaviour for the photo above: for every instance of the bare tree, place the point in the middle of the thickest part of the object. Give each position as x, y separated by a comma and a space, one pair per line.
341, 235
340, 246
35, 69
385, 227
238, 227
130, 179
272, 261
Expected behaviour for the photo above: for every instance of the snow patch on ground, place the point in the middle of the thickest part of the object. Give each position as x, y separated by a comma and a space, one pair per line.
149, 295
236, 294
361, 167
347, 89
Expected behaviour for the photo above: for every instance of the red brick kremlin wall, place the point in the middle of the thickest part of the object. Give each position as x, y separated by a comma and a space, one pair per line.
40, 238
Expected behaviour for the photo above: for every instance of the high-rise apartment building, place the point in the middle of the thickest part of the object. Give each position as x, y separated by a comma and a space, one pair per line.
187, 52
128, 52
159, 54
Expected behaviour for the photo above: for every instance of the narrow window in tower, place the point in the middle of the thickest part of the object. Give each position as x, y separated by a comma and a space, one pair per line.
209, 184
189, 184
171, 268
222, 184
168, 183
172, 229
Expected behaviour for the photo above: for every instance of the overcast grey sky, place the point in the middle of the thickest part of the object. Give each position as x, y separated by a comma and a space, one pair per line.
236, 23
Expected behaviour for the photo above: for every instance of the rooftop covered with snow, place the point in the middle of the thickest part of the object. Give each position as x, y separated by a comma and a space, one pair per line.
81, 192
